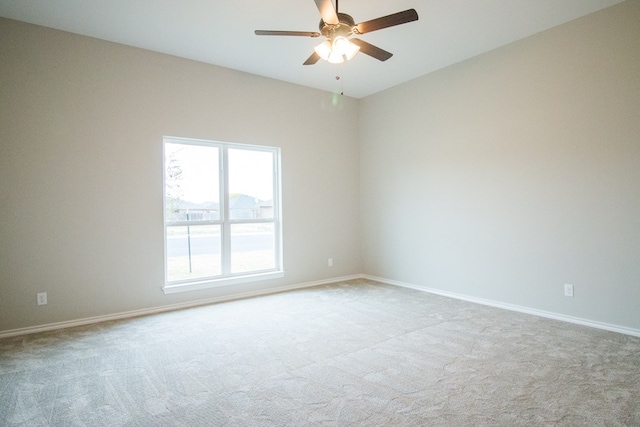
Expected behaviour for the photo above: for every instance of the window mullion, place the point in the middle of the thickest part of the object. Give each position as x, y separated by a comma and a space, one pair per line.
226, 226
185, 223
277, 207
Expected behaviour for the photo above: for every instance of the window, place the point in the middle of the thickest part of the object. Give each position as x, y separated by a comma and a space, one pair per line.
221, 214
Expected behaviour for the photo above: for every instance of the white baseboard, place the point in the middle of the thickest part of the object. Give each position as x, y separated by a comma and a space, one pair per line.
143, 312
165, 308
512, 307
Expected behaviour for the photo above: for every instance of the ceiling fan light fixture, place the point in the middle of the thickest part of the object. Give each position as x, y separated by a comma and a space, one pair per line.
343, 47
326, 52
340, 45
334, 58
323, 50
337, 51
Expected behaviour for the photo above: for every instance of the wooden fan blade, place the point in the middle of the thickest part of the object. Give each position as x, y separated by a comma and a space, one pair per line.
286, 33
371, 50
312, 59
403, 17
327, 11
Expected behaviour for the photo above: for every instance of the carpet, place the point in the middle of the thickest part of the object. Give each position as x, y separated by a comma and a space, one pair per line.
355, 353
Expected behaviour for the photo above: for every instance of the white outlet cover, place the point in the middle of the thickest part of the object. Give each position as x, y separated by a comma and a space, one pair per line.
42, 298
568, 290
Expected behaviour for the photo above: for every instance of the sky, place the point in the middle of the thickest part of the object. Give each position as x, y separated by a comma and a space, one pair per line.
250, 172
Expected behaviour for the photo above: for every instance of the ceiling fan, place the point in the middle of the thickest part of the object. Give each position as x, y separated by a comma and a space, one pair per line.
339, 27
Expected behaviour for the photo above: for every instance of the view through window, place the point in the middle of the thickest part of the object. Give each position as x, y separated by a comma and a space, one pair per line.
222, 212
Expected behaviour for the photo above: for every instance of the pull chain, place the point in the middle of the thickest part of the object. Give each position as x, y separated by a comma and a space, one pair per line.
338, 67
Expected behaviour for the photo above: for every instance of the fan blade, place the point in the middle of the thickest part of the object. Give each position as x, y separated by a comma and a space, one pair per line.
312, 59
286, 33
394, 19
371, 50
327, 11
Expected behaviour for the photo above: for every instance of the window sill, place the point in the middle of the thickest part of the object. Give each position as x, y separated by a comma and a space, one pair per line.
206, 284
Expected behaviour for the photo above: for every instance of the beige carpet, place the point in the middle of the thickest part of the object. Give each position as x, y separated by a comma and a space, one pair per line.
356, 353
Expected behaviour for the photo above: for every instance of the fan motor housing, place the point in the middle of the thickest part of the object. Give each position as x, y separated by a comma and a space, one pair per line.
343, 29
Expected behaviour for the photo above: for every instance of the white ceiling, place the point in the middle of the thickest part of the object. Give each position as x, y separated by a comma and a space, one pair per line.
221, 32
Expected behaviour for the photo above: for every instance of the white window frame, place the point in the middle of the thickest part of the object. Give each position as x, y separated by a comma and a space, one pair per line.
225, 222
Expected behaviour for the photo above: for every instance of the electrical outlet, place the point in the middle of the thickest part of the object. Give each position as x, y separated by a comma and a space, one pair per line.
330, 262
42, 298
568, 290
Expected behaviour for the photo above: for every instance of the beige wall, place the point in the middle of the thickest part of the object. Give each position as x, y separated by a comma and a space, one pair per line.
81, 127
515, 172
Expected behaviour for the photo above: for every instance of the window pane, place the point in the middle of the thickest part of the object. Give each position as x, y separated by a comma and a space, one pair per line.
252, 247
193, 252
192, 190
250, 184
222, 212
